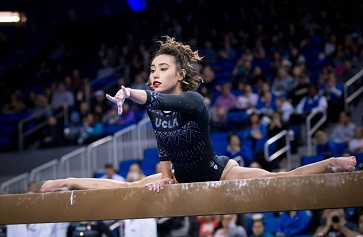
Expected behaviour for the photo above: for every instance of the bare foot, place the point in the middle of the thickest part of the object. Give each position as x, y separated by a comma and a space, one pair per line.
341, 164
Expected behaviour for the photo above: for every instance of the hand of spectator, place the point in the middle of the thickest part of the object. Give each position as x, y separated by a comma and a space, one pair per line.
160, 185
119, 98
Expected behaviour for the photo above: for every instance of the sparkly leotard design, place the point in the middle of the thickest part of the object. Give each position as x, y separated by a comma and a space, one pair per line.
183, 136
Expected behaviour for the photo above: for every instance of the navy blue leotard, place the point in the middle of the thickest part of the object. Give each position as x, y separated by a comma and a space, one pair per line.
183, 136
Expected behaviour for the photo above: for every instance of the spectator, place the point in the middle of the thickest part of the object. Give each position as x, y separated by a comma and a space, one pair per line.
62, 97
14, 104
89, 228
52, 134
344, 130
300, 89
266, 106
284, 108
230, 228
312, 103
247, 99
238, 151
356, 143
140, 81
140, 227
110, 173
91, 130
334, 223
135, 173
333, 91
294, 223
105, 70
325, 147
128, 115
283, 83
258, 229
100, 100
223, 104
111, 117
208, 225
72, 130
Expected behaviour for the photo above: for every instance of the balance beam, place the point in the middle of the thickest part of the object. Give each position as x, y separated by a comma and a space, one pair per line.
319, 191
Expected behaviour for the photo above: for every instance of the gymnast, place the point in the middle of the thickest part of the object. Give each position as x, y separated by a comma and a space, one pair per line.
180, 120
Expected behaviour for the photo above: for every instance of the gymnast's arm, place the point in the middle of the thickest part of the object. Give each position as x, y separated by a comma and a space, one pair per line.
188, 101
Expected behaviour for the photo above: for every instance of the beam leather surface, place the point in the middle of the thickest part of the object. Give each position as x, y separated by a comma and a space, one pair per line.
317, 191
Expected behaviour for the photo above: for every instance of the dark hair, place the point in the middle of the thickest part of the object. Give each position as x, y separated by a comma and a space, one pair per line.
108, 166
184, 57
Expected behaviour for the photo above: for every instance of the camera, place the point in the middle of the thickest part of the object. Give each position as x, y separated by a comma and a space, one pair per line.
335, 219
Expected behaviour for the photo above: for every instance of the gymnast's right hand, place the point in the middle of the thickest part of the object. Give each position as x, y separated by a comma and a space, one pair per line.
160, 185
119, 98
53, 185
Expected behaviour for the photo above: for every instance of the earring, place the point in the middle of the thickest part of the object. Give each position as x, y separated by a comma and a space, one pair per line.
185, 82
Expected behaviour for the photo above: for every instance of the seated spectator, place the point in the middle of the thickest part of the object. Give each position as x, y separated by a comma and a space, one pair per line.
344, 130
258, 229
293, 223
135, 173
222, 105
266, 106
111, 117
247, 99
128, 115
325, 147
62, 97
92, 129
110, 173
140, 81
105, 69
230, 228
300, 88
312, 103
283, 83
14, 104
284, 108
52, 134
208, 225
255, 131
238, 151
89, 228
333, 91
334, 223
72, 130
356, 143
100, 100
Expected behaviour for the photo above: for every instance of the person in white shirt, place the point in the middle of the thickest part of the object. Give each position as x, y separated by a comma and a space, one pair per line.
110, 173
140, 227
356, 143
32, 230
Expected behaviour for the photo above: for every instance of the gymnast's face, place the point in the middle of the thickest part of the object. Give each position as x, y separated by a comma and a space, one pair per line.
164, 75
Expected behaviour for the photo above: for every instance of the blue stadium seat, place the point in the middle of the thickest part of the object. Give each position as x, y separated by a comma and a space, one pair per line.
124, 166
5, 141
219, 137
148, 165
272, 224
359, 157
305, 160
341, 146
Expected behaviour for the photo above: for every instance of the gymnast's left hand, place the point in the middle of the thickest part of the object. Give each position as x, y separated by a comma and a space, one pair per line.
160, 185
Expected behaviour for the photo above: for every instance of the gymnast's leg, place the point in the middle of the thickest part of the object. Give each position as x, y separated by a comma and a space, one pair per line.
341, 164
95, 183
